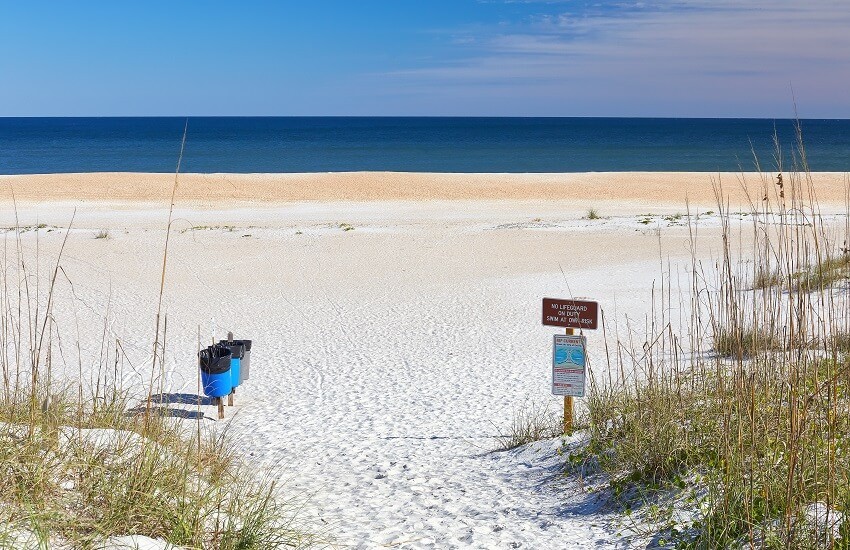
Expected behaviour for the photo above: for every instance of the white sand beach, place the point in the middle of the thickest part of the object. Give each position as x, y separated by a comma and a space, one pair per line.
395, 320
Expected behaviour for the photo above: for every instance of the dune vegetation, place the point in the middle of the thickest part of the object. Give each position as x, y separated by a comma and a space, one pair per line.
734, 431
82, 463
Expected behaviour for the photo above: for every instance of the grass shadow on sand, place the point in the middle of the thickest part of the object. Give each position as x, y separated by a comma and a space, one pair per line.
167, 412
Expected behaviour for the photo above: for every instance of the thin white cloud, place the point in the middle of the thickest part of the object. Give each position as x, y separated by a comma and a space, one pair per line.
695, 53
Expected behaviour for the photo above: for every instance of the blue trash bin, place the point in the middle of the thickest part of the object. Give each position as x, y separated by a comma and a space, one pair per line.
237, 351
216, 371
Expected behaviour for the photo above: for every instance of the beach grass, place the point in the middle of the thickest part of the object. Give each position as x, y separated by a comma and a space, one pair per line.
82, 463
86, 473
750, 403
532, 421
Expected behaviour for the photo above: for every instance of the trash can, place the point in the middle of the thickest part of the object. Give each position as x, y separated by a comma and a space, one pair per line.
237, 350
216, 372
245, 363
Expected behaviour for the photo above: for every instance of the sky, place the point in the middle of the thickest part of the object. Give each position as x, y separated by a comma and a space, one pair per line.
666, 58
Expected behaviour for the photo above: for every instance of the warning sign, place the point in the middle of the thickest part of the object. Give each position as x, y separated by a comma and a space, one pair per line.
570, 313
568, 365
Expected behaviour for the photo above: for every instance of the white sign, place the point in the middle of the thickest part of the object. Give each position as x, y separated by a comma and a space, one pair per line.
568, 365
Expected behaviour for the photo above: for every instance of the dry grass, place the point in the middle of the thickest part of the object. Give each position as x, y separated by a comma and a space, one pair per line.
82, 463
742, 343
823, 274
752, 402
593, 214
84, 478
531, 422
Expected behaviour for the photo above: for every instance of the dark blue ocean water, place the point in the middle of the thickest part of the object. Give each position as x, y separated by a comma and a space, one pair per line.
296, 144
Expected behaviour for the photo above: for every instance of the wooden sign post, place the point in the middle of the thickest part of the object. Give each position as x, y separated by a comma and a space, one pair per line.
568, 403
568, 354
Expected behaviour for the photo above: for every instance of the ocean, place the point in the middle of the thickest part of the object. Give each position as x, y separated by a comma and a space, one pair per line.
413, 144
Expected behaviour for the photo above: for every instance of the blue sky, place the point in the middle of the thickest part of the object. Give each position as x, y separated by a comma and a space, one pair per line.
702, 58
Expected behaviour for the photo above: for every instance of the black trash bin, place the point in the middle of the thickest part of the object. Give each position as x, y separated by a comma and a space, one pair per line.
237, 351
245, 367
241, 350
215, 363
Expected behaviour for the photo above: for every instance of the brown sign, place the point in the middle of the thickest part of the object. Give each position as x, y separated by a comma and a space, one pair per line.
570, 313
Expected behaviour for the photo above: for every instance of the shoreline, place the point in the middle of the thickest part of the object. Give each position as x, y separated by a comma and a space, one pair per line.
217, 191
